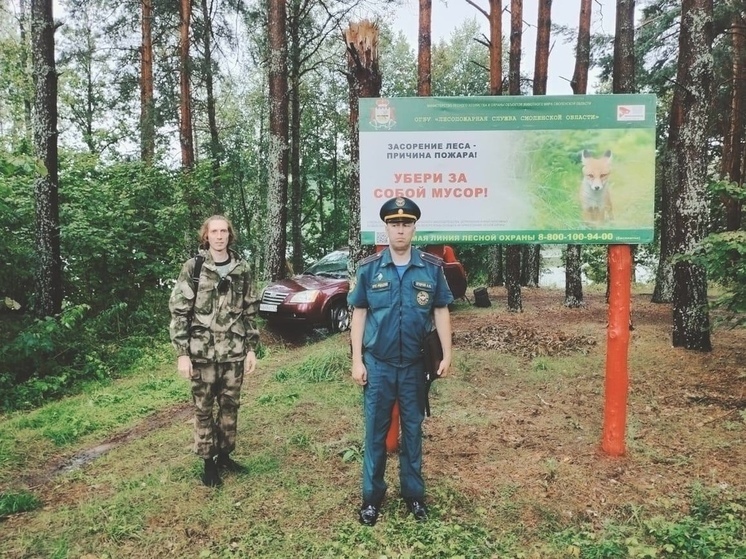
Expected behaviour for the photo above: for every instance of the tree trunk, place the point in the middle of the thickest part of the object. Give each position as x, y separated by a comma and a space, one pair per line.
185, 123
624, 48
277, 157
212, 123
495, 274
48, 277
22, 22
663, 290
424, 54
496, 47
691, 321
733, 147
364, 79
296, 184
516, 38
579, 84
512, 252
532, 262
541, 59
147, 115
513, 277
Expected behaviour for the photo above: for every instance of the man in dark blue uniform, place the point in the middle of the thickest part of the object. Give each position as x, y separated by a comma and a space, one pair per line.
398, 295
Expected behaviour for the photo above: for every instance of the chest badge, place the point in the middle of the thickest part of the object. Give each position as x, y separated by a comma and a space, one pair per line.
423, 298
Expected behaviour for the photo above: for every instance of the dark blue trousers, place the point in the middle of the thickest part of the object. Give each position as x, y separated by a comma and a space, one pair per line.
386, 384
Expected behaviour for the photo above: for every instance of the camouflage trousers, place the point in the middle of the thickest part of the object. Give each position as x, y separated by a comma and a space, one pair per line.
215, 432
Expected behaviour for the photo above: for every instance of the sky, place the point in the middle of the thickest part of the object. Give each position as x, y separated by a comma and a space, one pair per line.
450, 14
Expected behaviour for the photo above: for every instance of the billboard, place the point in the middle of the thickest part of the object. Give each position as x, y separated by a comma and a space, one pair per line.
575, 169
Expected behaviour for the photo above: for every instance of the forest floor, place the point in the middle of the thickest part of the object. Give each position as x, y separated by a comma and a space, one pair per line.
514, 444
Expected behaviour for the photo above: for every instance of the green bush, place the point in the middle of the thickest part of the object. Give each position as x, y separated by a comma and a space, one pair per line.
723, 255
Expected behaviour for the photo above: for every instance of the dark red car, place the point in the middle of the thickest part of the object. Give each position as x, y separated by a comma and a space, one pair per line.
318, 297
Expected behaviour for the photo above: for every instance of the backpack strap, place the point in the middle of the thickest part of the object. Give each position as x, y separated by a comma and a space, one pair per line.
198, 261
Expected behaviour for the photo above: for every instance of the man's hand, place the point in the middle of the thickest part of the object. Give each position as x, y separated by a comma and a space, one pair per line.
184, 366
359, 373
249, 364
445, 366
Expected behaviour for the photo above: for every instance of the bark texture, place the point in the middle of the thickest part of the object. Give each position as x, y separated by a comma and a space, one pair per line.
364, 79
147, 116
691, 320
579, 84
48, 272
424, 51
185, 101
277, 156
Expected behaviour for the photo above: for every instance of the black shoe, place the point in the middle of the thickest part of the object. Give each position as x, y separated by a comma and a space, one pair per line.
418, 509
225, 462
368, 515
211, 477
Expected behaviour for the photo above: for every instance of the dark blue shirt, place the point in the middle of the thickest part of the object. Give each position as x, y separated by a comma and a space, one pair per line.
399, 310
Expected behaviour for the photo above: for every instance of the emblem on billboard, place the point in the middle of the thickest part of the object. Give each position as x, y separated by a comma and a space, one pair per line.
630, 112
382, 115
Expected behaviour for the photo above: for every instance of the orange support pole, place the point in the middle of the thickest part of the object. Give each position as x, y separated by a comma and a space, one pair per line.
617, 347
392, 437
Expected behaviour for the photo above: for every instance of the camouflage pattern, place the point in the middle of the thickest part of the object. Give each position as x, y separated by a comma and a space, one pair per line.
221, 327
221, 381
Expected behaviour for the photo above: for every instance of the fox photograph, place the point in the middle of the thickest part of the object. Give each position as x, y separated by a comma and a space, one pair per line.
595, 192
592, 179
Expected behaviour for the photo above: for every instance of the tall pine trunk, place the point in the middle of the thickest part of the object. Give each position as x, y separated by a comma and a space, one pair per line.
532, 263
424, 55
212, 123
734, 149
691, 320
48, 273
295, 181
185, 102
277, 156
147, 115
579, 84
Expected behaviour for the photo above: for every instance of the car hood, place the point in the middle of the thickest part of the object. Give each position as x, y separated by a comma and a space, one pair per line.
303, 283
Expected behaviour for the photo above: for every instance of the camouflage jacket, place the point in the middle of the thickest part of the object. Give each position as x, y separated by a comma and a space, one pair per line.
213, 327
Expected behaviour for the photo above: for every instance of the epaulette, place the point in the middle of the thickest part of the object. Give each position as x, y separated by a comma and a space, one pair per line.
371, 258
432, 259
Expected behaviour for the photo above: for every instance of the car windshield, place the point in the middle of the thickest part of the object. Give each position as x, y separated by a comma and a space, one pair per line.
333, 265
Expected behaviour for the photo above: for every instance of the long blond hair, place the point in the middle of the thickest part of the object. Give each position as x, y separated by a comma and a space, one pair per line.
203, 242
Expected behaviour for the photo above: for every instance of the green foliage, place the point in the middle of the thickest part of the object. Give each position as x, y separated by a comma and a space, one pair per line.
714, 527
50, 357
12, 502
331, 366
723, 255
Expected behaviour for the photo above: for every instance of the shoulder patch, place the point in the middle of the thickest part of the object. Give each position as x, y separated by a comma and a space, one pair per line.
432, 259
371, 258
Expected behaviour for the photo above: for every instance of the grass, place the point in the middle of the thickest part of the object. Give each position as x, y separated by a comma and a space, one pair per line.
509, 474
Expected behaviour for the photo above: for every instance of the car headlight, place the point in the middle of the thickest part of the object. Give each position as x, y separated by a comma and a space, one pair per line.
305, 296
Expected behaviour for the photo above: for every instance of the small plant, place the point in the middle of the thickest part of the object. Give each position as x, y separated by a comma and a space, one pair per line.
352, 454
15, 502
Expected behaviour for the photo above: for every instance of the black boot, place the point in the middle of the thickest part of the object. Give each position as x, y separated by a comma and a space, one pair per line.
225, 462
211, 478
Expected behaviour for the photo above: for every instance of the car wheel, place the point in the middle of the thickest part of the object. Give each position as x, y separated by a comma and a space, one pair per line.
339, 318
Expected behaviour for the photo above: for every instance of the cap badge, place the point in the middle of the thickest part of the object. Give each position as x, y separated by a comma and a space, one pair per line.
400, 203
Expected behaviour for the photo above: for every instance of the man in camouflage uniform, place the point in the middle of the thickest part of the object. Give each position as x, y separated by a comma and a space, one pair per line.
214, 335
